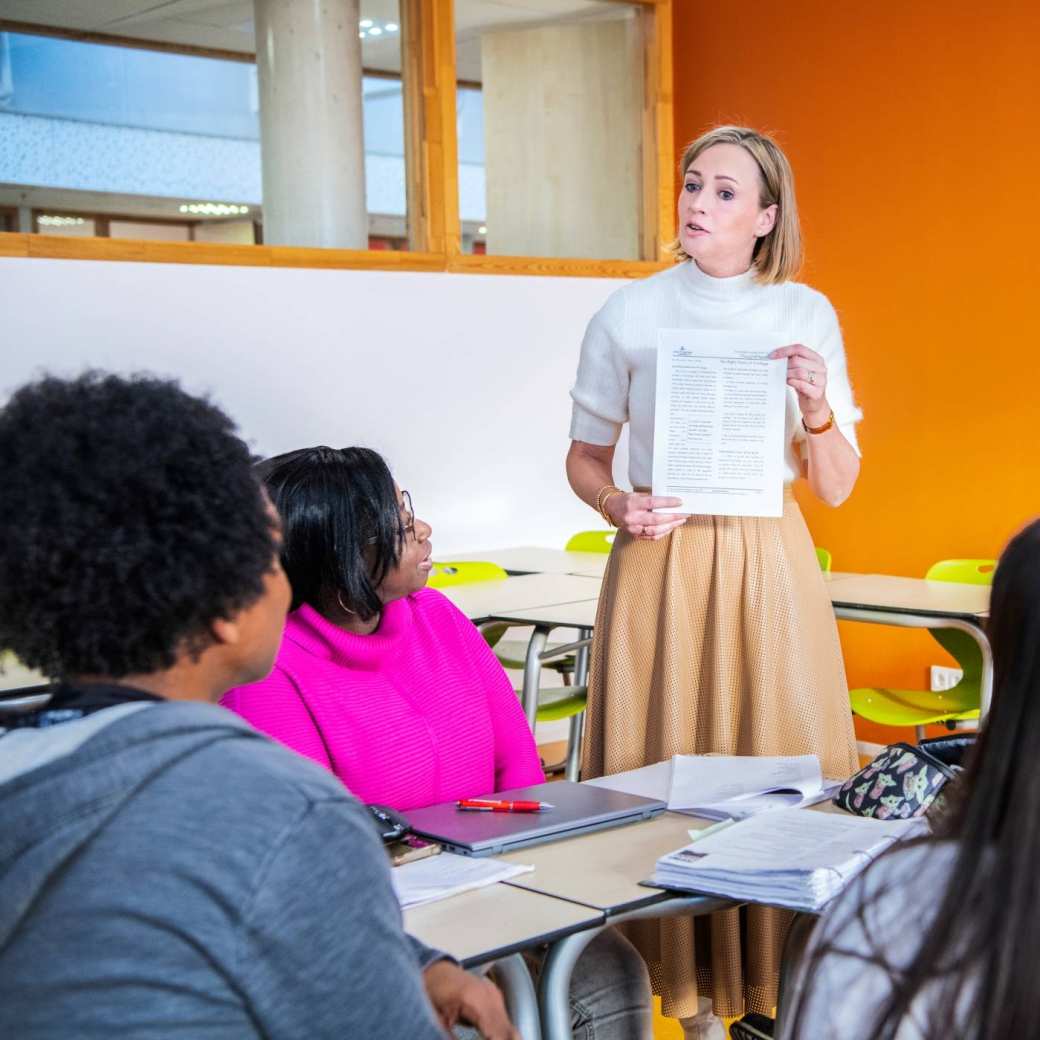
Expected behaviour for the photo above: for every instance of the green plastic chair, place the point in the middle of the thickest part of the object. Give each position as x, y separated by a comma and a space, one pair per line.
823, 558
920, 708
591, 541
464, 572
553, 704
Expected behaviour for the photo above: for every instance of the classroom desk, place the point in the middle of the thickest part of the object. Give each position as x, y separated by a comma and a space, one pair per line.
881, 599
579, 614
602, 871
492, 925
486, 599
884, 599
530, 559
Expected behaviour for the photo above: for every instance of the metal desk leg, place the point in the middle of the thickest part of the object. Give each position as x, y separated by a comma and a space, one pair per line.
554, 986
581, 659
900, 620
521, 1000
577, 729
533, 672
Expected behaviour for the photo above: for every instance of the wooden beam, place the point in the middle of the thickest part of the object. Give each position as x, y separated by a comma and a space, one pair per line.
658, 144
431, 144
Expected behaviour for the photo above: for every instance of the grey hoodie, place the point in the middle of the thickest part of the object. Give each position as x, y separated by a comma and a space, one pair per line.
166, 871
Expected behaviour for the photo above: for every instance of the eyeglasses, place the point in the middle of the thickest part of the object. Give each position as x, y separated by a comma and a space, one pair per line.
407, 513
407, 518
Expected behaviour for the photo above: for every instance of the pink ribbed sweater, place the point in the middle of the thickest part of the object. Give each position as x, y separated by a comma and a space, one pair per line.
418, 712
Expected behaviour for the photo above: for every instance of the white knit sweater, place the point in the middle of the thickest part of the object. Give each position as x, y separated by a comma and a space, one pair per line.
618, 369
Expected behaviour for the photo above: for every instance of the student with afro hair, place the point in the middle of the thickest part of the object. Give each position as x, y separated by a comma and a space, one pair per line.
166, 870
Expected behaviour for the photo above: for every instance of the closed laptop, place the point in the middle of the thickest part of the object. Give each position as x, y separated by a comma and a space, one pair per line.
577, 808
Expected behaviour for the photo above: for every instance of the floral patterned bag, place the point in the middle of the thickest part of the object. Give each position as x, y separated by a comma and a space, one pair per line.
905, 779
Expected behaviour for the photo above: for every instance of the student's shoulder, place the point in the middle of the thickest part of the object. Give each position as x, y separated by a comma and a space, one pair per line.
236, 766
431, 606
897, 884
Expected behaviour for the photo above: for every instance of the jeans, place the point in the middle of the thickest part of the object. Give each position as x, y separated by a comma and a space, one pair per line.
610, 992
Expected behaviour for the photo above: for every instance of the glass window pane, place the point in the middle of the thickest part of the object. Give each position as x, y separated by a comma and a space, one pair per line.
550, 128
142, 138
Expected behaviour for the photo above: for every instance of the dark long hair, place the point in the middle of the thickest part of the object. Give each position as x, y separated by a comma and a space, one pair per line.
977, 954
342, 530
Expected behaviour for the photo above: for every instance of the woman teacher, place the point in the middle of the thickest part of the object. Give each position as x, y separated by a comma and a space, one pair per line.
715, 633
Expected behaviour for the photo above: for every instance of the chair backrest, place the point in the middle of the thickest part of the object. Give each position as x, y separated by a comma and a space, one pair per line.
823, 557
591, 541
960, 645
464, 572
967, 572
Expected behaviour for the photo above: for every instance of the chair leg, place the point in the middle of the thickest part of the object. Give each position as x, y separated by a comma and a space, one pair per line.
919, 731
573, 770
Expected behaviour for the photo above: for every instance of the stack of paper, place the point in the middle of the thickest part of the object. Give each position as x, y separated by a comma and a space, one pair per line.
735, 787
787, 858
439, 877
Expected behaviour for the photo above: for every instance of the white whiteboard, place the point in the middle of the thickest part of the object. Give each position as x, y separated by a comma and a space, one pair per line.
460, 381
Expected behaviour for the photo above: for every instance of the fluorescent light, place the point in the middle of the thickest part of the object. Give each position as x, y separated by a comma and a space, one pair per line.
482, 230
365, 23
375, 31
390, 27
55, 221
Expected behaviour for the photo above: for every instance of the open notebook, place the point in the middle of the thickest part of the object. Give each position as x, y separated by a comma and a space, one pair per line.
720, 787
786, 858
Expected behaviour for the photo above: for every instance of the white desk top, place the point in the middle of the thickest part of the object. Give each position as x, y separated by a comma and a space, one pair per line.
486, 598
892, 594
529, 559
488, 923
603, 869
14, 675
579, 614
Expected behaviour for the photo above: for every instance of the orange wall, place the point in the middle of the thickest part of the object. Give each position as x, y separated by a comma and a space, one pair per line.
913, 132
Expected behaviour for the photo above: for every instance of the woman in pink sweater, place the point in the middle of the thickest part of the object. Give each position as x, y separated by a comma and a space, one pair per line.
387, 684
379, 679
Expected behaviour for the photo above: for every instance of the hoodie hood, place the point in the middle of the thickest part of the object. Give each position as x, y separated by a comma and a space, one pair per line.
91, 769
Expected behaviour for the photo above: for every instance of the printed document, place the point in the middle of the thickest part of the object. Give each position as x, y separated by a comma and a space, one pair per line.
439, 877
719, 422
790, 858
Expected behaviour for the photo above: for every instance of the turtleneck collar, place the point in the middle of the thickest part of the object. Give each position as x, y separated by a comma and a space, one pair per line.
722, 289
320, 637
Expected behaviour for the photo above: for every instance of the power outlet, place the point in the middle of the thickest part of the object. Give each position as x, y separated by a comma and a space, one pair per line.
944, 678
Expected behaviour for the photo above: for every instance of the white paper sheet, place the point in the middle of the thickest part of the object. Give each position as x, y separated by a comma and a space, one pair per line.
707, 780
719, 422
447, 874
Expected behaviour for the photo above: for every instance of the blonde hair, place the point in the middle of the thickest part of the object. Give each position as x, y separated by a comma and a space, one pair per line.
778, 254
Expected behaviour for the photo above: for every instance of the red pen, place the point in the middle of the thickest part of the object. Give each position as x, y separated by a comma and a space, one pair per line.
496, 805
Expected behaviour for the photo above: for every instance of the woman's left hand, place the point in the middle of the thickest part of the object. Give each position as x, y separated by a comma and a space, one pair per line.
807, 374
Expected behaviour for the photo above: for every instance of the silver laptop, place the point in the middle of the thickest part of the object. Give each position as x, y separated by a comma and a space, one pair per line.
577, 809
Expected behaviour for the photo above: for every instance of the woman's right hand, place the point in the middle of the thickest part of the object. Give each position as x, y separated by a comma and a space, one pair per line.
632, 513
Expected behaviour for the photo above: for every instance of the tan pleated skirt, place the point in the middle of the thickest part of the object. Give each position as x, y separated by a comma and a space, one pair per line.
718, 638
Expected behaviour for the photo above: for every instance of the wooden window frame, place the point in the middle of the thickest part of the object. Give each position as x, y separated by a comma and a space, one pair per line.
431, 171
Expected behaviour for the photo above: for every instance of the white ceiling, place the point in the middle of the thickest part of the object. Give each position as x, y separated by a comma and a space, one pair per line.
223, 25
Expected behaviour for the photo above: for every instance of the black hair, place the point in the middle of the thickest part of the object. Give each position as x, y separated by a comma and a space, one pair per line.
975, 957
342, 531
130, 520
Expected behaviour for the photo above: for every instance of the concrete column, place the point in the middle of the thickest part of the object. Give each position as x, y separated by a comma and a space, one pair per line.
308, 58
25, 221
